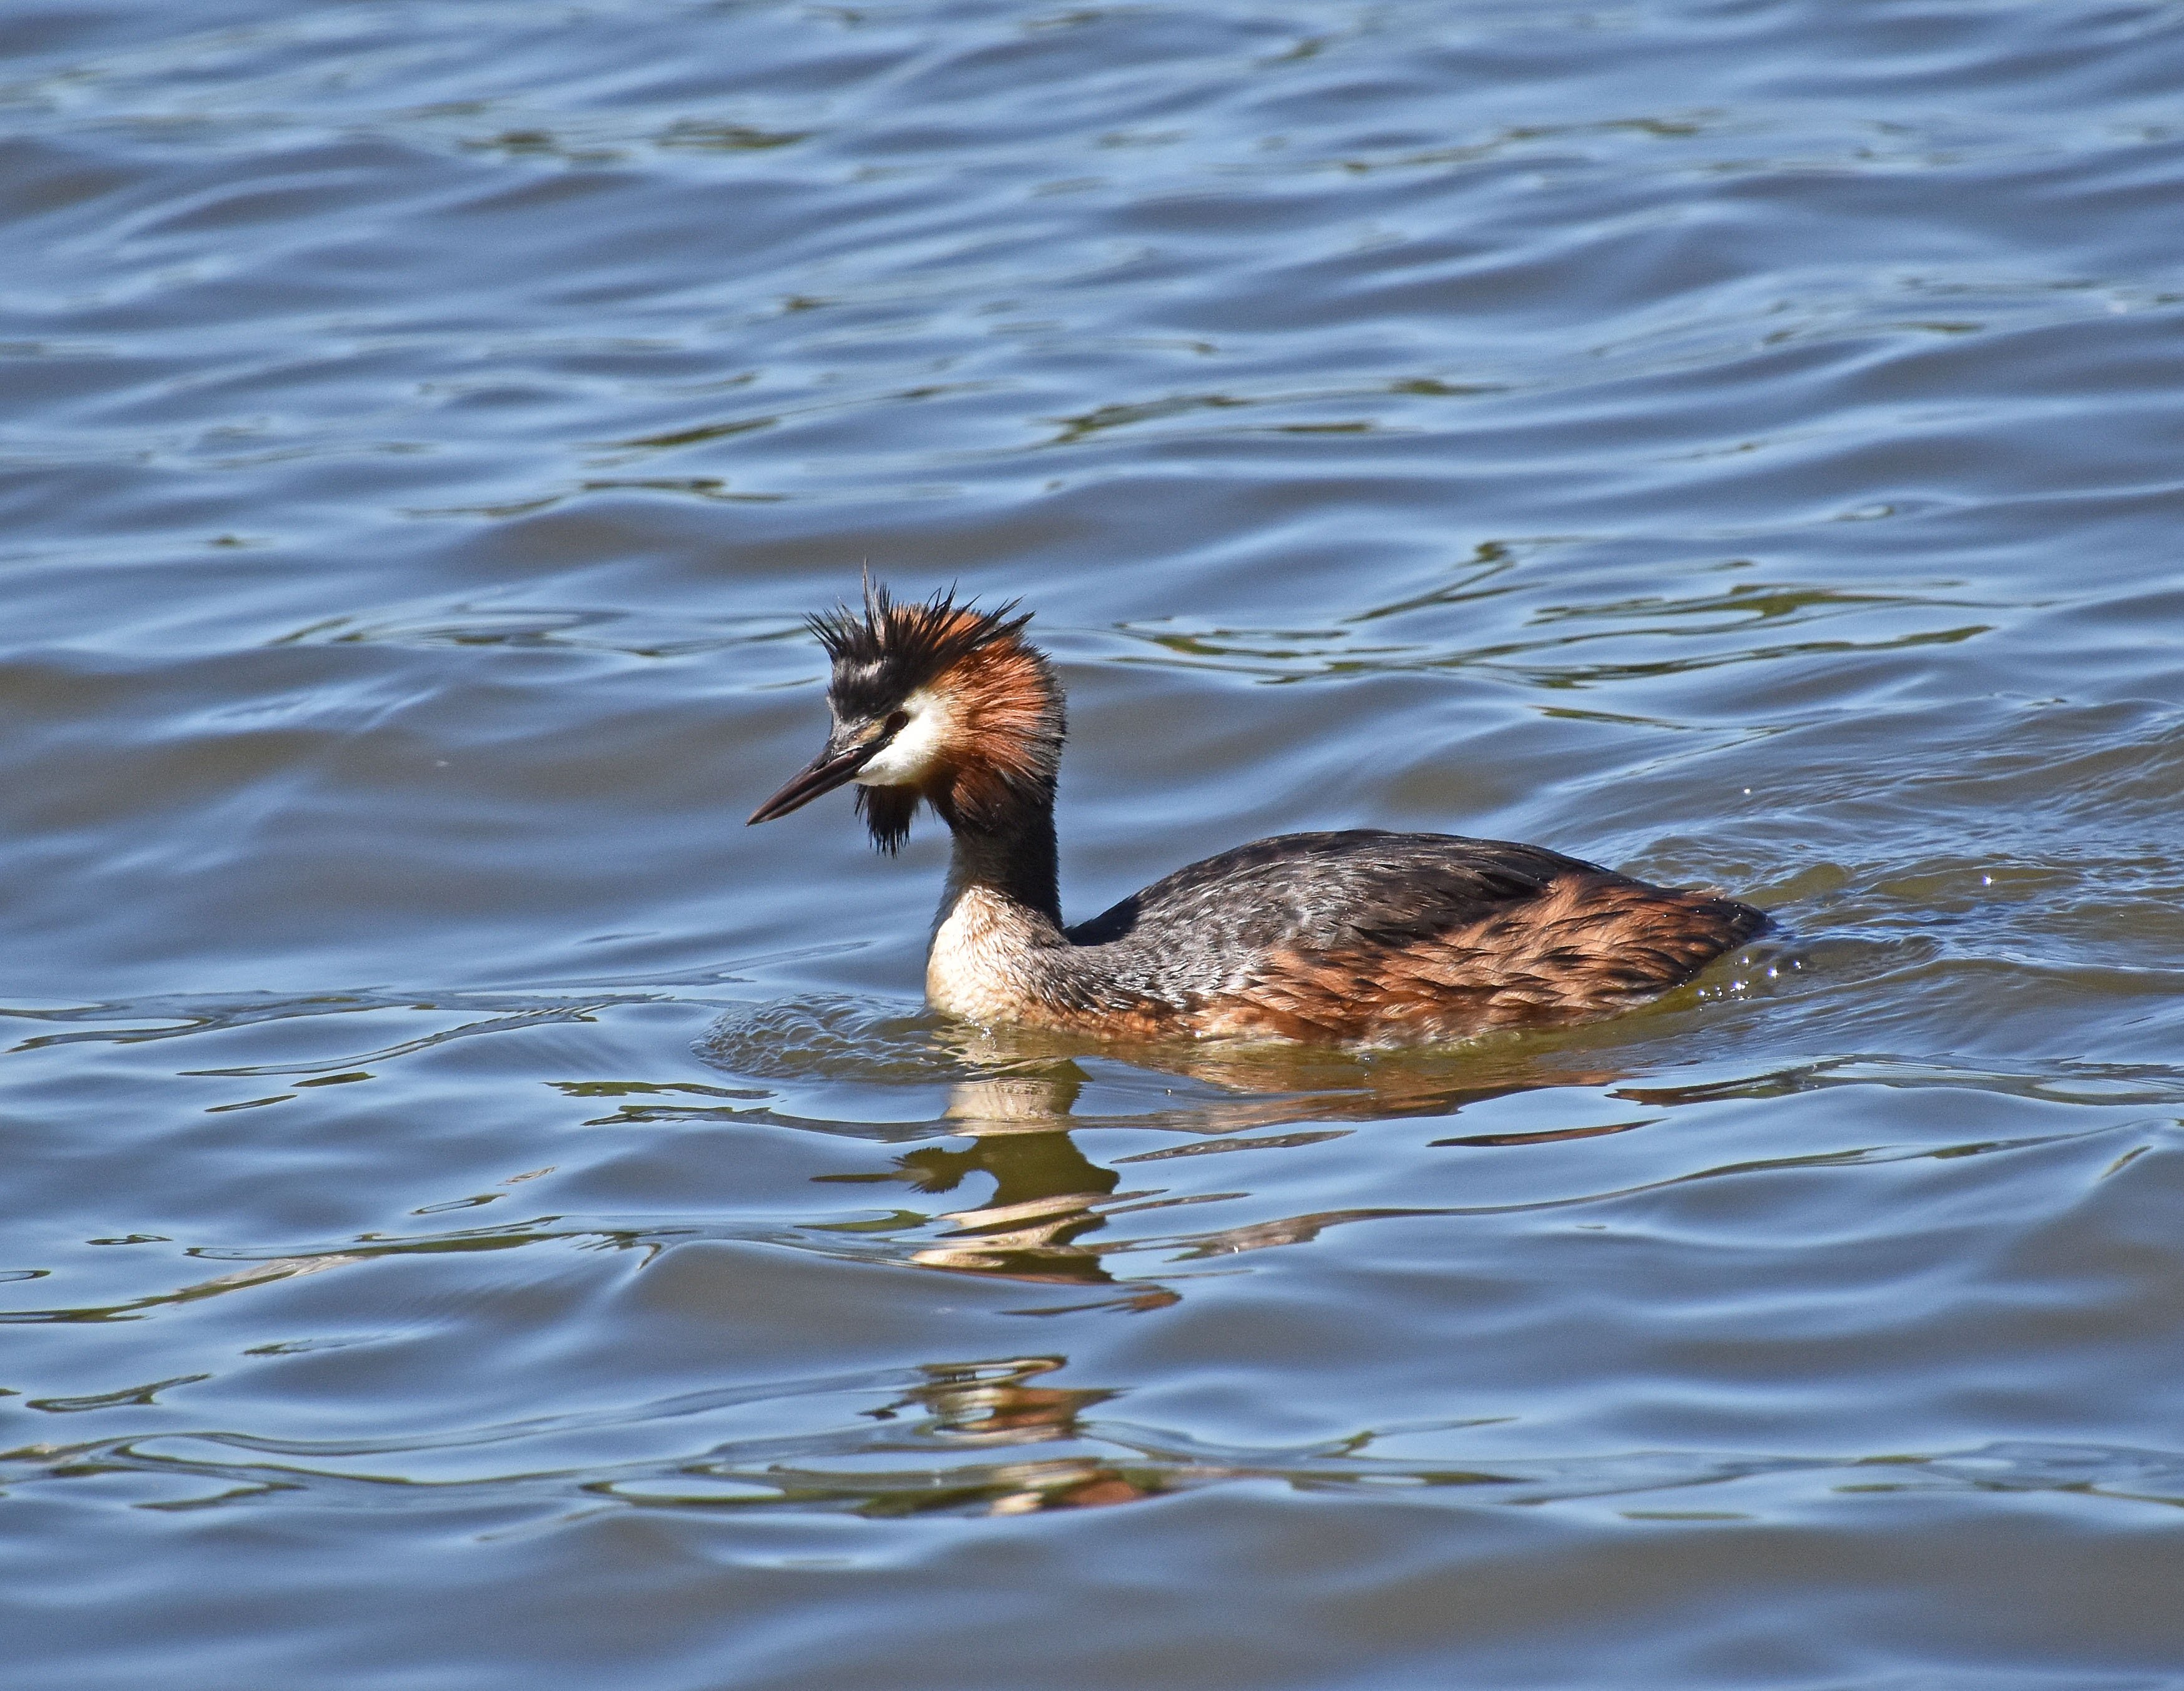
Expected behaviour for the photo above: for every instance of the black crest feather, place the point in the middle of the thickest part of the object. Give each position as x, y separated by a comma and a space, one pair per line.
890, 648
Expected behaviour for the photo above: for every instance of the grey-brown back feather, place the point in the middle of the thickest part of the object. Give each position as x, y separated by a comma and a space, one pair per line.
1352, 897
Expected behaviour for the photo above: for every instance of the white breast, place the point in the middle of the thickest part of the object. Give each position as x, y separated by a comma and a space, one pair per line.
976, 967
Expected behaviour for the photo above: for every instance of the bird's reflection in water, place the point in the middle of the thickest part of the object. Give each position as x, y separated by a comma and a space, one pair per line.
985, 1405
1043, 1186
1051, 1201
1010, 1153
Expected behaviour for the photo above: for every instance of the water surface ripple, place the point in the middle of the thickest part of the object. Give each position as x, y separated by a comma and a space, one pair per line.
476, 1216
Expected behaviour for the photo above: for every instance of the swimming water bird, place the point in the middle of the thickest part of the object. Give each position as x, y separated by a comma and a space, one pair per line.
1360, 937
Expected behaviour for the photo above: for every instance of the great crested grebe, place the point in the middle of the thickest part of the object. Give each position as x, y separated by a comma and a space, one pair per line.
1359, 937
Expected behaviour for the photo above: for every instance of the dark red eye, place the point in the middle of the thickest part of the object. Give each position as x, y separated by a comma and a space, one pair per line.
897, 723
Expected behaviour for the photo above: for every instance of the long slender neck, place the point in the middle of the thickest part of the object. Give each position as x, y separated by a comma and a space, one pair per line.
1007, 848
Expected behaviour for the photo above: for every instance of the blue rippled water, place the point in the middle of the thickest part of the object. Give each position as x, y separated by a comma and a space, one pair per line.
476, 1216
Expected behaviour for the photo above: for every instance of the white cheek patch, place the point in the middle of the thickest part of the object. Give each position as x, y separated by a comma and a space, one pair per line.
915, 752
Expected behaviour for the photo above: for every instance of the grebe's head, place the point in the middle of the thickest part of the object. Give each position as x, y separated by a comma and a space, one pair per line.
935, 701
